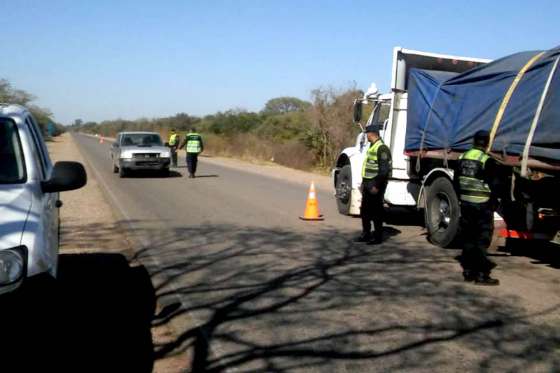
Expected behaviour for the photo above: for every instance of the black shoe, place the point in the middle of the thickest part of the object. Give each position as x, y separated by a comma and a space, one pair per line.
470, 276
363, 238
375, 241
486, 280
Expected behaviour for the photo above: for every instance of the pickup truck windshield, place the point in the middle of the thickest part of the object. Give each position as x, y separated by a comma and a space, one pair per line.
12, 165
141, 139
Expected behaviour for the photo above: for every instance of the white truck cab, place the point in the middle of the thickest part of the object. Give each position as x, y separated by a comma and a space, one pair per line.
389, 112
29, 186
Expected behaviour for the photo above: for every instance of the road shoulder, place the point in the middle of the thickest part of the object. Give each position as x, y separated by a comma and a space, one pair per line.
89, 225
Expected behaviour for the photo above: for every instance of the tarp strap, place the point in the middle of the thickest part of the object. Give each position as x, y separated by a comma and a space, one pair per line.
507, 97
512, 189
525, 158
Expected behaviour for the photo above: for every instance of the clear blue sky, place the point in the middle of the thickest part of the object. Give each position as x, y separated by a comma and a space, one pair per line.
102, 59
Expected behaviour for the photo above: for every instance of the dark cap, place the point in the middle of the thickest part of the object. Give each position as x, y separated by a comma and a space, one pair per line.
481, 138
372, 128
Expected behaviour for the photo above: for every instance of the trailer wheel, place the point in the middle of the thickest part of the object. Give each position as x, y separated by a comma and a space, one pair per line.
442, 212
344, 189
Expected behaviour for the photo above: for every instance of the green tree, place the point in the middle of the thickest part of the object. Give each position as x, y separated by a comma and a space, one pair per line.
283, 105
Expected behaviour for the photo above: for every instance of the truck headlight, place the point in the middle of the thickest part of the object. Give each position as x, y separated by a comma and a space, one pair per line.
164, 155
126, 155
13, 265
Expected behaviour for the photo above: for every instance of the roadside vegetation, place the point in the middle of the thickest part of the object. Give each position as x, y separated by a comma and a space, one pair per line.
289, 131
11, 95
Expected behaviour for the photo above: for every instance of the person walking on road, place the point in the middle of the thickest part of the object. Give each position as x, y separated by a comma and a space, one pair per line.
376, 171
173, 145
194, 146
473, 181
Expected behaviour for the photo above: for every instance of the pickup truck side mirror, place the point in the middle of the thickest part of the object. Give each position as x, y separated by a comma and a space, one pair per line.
65, 176
357, 111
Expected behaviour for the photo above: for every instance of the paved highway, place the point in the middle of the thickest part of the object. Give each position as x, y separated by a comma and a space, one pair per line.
247, 286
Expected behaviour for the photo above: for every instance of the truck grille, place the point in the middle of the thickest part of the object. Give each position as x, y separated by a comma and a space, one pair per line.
146, 155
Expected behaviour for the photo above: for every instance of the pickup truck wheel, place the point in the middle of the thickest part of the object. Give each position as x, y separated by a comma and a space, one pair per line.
442, 212
122, 172
344, 189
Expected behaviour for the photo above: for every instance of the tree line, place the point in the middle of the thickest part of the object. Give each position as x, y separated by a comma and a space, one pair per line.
44, 117
288, 130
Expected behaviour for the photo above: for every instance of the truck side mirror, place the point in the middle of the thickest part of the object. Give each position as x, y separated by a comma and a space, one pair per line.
357, 111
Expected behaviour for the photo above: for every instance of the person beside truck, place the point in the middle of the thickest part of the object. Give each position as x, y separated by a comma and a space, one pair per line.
376, 171
474, 181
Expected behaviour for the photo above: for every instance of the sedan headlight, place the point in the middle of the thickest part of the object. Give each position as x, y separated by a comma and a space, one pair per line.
13, 265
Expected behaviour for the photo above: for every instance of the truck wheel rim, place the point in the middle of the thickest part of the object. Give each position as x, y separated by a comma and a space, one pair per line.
444, 216
343, 191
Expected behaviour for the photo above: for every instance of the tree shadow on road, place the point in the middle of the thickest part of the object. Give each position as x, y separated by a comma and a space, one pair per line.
275, 300
95, 318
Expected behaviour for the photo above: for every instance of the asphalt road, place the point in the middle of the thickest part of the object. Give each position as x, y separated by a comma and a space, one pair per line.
247, 286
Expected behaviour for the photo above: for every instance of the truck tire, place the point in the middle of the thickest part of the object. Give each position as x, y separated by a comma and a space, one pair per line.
442, 212
344, 190
122, 172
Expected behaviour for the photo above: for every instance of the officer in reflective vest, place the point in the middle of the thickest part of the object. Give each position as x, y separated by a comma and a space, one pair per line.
194, 146
473, 179
173, 144
376, 171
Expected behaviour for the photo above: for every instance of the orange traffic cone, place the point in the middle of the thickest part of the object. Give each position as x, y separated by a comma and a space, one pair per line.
312, 206
101, 139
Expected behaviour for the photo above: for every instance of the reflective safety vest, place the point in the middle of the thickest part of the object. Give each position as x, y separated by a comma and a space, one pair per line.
173, 140
194, 144
472, 186
370, 168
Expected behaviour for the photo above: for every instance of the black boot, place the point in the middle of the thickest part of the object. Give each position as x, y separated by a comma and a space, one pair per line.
377, 239
364, 237
484, 279
469, 275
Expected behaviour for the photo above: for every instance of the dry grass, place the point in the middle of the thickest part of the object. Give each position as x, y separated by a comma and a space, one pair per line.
253, 148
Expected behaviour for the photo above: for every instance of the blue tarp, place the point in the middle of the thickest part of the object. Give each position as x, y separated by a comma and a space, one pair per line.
446, 109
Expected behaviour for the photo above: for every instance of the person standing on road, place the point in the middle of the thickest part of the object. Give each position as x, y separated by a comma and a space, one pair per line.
173, 144
376, 171
194, 146
473, 180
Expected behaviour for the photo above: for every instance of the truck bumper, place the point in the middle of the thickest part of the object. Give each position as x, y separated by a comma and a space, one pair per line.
144, 164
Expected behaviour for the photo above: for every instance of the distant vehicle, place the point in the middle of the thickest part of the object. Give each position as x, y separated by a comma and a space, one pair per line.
424, 154
134, 151
29, 186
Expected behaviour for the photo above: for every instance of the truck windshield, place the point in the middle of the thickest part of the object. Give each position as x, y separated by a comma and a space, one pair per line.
380, 113
141, 139
12, 165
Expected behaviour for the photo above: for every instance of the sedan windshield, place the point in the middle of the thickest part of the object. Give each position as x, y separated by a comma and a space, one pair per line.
12, 166
141, 139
